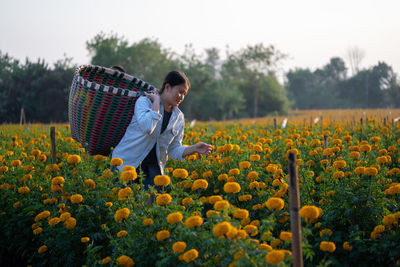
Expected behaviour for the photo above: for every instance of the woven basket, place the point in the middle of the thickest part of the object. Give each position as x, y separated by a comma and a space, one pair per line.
101, 105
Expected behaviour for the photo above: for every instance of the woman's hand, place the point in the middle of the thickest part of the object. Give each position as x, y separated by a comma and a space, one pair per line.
201, 148
153, 96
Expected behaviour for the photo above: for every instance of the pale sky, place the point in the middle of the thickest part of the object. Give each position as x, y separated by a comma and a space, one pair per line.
310, 31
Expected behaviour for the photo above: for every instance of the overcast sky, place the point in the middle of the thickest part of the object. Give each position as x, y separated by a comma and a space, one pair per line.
310, 31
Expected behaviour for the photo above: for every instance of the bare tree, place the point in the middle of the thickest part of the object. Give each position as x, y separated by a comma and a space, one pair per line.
355, 55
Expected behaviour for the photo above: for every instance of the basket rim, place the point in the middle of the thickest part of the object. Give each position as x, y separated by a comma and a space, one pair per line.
112, 89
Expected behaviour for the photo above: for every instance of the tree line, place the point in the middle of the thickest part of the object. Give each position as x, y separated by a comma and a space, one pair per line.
243, 83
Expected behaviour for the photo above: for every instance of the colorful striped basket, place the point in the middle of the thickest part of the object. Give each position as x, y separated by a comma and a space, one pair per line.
101, 105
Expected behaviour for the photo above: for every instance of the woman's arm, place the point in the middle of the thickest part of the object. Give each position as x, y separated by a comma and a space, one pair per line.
147, 116
201, 148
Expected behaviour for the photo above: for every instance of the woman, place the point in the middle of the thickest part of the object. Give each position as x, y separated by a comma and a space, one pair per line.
156, 130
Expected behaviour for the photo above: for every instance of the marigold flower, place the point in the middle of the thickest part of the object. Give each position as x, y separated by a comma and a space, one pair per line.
232, 187
221, 205
255, 157
365, 148
327, 246
347, 246
338, 175
106, 260
285, 236
186, 201
252, 175
234, 172
241, 213
371, 171
275, 203
180, 173
124, 193
73, 159
275, 257
379, 229
251, 229
77, 198
339, 164
222, 177
70, 223
147, 222
193, 221
243, 165
325, 231
359, 170
23, 190
42, 249
121, 214
199, 184
42, 215
389, 219
162, 235
65, 216
128, 176
354, 155
122, 233
190, 255
207, 174
90, 183
54, 221
57, 180
309, 212
125, 261
37, 230
179, 247
163, 199
175, 217
245, 197
116, 162
85, 239
16, 163
162, 180
264, 246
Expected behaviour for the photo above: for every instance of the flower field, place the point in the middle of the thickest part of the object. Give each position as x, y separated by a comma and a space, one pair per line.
230, 208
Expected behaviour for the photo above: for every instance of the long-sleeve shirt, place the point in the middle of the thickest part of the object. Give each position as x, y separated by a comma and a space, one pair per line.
144, 131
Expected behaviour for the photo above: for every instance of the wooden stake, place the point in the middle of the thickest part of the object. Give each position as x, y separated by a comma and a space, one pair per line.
275, 124
294, 204
325, 141
53, 144
22, 118
361, 132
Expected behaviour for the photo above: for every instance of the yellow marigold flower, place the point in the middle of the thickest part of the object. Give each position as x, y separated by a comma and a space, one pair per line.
116, 162
37, 230
42, 215
193, 221
257, 148
327, 246
147, 222
70, 223
73, 159
221, 205
222, 177
347, 246
264, 246
163, 199
234, 172
122, 233
77, 198
124, 193
190, 255
128, 176
199, 184
338, 175
221, 229
125, 261
54, 221
65, 216
255, 157
365, 148
162, 235
179, 247
285, 236
359, 170
251, 229
275, 203
90, 183
106, 260
339, 164
371, 171
16, 163
85, 239
175, 217
389, 219
379, 229
207, 174
309, 212
57, 180
121, 214
241, 213
232, 187
245, 197
180, 173
243, 165
162, 180
3, 169
354, 155
347, 138
42, 249
252, 175
23, 190
36, 152
108, 204
325, 231
186, 201
275, 257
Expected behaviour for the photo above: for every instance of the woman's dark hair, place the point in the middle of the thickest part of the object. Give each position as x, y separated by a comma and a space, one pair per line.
174, 78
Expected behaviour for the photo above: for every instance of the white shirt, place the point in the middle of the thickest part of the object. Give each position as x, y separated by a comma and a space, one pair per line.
144, 131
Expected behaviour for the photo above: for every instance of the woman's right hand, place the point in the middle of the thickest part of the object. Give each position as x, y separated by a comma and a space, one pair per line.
153, 96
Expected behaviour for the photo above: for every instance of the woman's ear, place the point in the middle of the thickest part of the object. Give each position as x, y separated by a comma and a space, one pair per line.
167, 87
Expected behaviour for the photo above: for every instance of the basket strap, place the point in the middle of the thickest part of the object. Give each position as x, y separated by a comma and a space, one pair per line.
109, 89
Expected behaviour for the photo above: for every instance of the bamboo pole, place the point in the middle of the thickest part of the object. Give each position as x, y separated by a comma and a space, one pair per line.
53, 144
294, 203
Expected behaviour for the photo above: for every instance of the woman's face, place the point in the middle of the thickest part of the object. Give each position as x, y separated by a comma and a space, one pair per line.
176, 94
